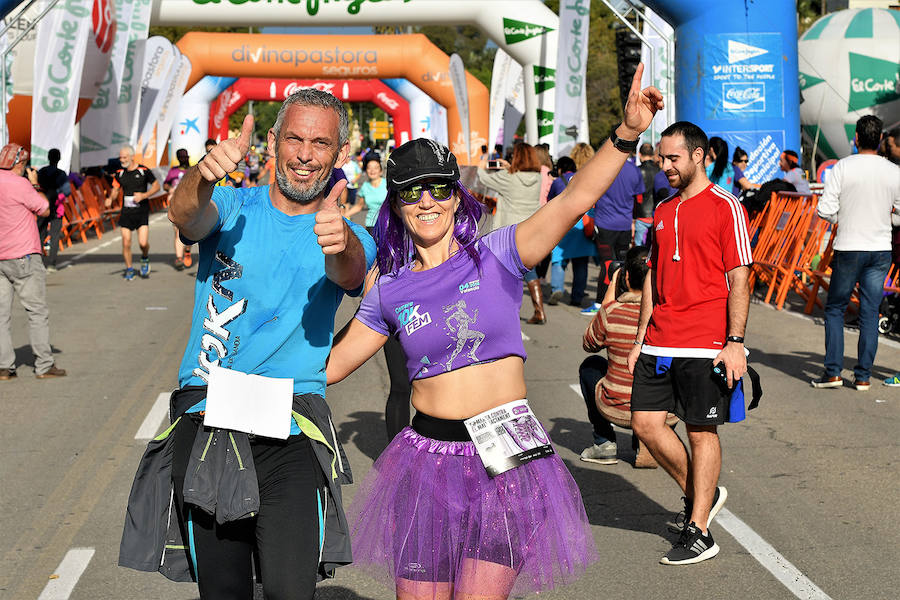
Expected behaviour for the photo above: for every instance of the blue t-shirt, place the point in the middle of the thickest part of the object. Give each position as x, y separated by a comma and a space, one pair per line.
661, 184
738, 175
262, 302
615, 208
374, 197
726, 179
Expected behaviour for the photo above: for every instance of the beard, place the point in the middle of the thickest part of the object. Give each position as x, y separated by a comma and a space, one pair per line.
685, 178
295, 193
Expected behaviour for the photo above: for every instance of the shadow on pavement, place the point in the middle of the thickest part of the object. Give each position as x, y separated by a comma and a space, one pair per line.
806, 365
609, 499
366, 430
338, 593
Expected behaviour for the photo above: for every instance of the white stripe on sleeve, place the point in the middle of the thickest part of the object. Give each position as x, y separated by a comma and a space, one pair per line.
741, 239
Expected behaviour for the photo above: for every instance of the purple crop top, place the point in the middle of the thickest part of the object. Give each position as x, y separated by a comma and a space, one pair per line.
451, 316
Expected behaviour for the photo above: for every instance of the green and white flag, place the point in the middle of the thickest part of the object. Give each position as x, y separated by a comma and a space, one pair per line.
58, 62
571, 79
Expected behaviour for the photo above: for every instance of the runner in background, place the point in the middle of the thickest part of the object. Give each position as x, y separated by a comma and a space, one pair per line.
182, 252
136, 183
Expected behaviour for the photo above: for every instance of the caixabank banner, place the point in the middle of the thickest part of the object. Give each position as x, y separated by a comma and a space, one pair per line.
743, 75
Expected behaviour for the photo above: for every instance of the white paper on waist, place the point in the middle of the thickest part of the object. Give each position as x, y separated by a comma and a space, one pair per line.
249, 403
508, 436
128, 202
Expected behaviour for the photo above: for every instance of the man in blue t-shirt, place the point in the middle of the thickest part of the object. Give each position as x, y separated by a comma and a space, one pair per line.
275, 262
612, 224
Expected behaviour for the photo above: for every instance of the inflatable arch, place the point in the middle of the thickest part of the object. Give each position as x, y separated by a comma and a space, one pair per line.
429, 119
737, 77
352, 90
361, 57
525, 29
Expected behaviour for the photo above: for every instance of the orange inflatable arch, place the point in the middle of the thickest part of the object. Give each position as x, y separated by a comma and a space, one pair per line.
410, 56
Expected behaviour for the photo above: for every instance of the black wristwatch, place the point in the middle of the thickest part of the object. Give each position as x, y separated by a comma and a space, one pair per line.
626, 146
735, 338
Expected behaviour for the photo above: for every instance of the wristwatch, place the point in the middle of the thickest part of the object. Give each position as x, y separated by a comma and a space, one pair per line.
627, 146
735, 338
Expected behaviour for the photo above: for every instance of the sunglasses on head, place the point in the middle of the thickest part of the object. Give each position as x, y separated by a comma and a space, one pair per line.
438, 191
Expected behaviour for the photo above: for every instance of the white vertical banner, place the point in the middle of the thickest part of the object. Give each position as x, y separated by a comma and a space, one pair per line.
125, 130
460, 91
571, 67
124, 12
8, 83
58, 62
170, 105
500, 86
662, 73
102, 126
515, 105
161, 60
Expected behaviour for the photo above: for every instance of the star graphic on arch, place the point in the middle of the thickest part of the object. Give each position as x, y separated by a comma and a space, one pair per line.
189, 124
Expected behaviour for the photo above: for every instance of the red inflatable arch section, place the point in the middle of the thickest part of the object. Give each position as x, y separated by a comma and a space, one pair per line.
348, 90
411, 57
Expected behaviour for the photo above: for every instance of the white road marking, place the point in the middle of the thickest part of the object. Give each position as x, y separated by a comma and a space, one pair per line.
762, 551
157, 413
789, 575
525, 338
156, 308
68, 572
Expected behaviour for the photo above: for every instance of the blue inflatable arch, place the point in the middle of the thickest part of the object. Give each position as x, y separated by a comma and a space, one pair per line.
736, 74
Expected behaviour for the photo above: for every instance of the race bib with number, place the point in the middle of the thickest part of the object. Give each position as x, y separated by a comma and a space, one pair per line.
508, 436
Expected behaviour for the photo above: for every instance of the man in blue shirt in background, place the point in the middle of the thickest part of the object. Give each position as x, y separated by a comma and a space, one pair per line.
275, 262
613, 224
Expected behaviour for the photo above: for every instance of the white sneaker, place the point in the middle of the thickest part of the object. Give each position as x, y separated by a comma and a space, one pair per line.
604, 454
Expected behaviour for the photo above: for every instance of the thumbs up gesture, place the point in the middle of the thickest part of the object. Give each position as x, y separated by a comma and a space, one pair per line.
224, 158
330, 230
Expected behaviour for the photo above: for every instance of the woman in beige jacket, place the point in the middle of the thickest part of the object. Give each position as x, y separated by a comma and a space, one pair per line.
517, 185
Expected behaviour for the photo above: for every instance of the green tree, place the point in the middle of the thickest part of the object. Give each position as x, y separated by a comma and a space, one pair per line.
173, 34
808, 12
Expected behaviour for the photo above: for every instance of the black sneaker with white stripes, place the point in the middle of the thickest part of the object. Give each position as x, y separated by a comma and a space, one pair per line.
692, 547
683, 518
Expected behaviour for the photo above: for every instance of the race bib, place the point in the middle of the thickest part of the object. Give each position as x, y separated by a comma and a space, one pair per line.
128, 202
249, 403
508, 436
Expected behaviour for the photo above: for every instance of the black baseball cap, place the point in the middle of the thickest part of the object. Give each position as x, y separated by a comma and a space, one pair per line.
420, 159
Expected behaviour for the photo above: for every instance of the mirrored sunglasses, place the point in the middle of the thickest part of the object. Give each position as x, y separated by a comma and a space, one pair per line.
438, 191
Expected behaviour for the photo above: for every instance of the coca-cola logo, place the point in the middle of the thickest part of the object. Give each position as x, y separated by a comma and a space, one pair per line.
319, 85
388, 101
104, 25
744, 94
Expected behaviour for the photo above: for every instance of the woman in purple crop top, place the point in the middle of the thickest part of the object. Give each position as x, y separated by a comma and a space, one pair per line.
428, 518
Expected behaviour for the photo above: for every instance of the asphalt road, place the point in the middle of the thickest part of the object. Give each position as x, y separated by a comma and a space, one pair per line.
812, 475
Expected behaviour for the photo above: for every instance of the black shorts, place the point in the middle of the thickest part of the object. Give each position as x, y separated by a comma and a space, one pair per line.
687, 389
133, 218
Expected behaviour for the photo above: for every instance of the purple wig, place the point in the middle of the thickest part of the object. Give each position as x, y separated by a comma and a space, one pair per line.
395, 247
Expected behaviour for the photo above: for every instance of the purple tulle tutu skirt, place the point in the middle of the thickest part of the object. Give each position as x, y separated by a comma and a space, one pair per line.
428, 519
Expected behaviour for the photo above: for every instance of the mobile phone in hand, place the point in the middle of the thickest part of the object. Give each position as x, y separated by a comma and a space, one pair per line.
493, 164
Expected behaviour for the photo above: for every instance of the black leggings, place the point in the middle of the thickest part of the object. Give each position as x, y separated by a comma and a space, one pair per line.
396, 411
285, 533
